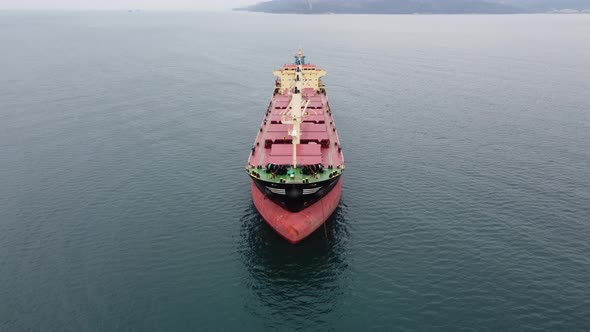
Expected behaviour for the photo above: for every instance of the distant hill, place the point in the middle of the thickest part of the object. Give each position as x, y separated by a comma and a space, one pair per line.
542, 6
416, 6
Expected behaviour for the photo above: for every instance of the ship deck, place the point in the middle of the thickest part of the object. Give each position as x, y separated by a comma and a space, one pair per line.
319, 138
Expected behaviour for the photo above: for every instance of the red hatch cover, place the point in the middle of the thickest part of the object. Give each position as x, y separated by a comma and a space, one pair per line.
306, 154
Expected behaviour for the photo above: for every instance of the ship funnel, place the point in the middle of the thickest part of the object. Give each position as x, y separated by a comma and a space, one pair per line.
299, 58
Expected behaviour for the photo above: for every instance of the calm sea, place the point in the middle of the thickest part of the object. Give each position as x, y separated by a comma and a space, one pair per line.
124, 204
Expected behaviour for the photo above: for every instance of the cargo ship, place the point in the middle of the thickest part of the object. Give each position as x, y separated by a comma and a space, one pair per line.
296, 162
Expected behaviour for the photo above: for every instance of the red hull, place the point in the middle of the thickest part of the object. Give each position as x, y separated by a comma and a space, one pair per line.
296, 226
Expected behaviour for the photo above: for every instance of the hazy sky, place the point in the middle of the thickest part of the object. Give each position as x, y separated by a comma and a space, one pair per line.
124, 4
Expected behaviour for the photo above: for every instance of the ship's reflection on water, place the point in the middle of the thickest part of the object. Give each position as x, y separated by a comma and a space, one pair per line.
294, 286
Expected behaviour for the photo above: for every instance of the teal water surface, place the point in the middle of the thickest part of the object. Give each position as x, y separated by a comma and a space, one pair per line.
466, 199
